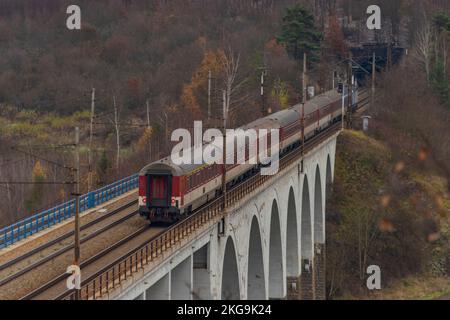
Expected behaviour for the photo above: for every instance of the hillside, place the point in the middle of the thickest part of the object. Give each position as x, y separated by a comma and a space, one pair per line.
386, 213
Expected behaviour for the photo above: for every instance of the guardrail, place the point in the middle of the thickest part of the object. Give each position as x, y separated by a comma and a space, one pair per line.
115, 273
43, 220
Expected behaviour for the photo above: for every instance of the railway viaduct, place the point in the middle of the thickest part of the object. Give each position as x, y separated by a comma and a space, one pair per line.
264, 240
270, 243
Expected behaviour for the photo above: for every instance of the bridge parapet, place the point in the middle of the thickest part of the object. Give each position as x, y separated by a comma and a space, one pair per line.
48, 218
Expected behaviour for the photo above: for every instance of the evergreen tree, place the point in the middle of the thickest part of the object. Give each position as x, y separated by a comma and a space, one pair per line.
299, 34
441, 22
439, 81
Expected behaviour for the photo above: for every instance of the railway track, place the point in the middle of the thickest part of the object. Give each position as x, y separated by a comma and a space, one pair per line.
63, 237
15, 271
364, 101
57, 286
56, 289
112, 273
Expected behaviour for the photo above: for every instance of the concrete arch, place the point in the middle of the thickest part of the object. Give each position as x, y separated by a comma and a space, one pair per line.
329, 172
230, 273
319, 236
256, 287
292, 243
276, 278
306, 226
328, 179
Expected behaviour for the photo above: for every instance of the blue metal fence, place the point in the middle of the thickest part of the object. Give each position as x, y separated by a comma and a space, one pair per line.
50, 217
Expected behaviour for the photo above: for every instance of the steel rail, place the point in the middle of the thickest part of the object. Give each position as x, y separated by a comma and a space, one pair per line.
65, 236
65, 249
84, 264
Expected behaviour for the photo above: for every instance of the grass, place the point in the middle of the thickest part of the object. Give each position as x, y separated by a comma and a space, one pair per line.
368, 173
417, 288
410, 288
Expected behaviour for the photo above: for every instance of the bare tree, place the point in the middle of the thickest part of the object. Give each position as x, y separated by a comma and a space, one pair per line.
237, 87
231, 67
116, 124
424, 47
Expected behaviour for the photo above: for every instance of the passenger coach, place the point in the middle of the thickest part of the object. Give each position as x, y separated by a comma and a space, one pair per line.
168, 192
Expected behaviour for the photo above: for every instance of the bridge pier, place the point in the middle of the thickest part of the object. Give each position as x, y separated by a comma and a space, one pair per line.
293, 286
320, 271
160, 290
201, 274
181, 281
307, 280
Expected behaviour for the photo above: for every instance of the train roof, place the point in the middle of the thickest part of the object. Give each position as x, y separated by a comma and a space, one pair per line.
285, 117
319, 101
274, 121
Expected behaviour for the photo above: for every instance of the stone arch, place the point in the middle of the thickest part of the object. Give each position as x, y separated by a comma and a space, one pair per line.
328, 179
306, 234
230, 274
256, 288
292, 267
275, 255
319, 236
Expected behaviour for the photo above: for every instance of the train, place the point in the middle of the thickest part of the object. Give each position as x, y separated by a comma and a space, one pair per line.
170, 192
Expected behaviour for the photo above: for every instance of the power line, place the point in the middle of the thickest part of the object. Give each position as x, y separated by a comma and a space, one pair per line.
47, 146
43, 159
37, 183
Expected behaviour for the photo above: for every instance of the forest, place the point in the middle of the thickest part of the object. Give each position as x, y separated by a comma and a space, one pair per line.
148, 67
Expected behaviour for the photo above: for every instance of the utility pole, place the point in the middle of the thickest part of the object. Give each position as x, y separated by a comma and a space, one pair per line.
374, 70
303, 103
334, 78
148, 114
116, 124
224, 169
90, 139
343, 106
77, 204
350, 93
209, 94
389, 56
304, 89
263, 102
149, 128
